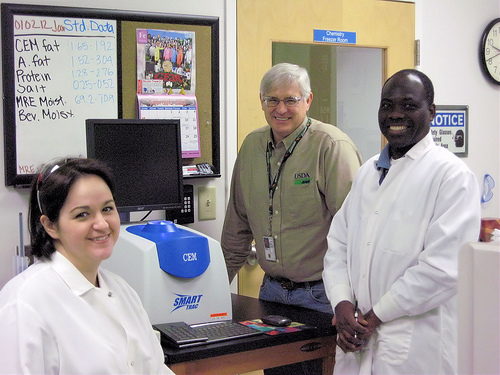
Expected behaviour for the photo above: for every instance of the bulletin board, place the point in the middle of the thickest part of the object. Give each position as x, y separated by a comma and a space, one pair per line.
63, 65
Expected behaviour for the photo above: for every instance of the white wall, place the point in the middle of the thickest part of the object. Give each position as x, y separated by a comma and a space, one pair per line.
449, 33
13, 201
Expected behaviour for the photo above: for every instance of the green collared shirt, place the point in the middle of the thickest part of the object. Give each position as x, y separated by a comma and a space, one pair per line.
314, 182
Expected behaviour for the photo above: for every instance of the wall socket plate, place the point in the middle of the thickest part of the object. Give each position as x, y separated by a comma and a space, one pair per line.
206, 203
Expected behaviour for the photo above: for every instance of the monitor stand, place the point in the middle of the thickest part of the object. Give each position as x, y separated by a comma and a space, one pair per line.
124, 217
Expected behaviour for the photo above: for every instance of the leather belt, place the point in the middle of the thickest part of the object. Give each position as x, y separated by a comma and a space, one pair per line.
292, 285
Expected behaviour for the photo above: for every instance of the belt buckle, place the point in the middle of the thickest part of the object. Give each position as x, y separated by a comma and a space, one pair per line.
287, 284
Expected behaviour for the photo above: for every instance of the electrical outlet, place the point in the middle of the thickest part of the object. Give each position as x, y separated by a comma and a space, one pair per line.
206, 203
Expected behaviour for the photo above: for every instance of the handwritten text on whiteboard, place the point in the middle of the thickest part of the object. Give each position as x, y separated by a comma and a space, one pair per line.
65, 72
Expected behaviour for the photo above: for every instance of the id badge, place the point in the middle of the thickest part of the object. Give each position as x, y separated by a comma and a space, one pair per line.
269, 248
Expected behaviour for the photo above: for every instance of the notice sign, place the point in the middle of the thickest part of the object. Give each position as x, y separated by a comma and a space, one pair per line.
449, 128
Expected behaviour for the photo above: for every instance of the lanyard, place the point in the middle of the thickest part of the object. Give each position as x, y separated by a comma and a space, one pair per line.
288, 153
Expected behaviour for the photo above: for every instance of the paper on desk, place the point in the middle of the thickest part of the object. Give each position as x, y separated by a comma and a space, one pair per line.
272, 330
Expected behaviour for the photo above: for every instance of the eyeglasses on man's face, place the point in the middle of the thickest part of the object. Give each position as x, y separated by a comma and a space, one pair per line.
291, 101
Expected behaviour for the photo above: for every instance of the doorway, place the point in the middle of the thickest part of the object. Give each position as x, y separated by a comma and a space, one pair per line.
388, 26
346, 83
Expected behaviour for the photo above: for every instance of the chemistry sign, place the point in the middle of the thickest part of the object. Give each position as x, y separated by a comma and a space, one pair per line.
449, 128
334, 36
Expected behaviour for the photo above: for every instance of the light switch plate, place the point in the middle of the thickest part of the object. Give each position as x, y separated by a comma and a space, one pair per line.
206, 203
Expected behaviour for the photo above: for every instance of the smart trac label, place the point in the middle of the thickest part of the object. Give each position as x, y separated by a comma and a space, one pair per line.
190, 302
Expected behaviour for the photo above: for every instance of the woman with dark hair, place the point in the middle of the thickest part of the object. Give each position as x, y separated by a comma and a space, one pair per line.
64, 314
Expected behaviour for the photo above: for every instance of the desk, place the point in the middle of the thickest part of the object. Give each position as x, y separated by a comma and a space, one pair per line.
262, 351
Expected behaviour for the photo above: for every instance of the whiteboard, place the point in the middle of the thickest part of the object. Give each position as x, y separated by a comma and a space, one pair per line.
62, 65
65, 70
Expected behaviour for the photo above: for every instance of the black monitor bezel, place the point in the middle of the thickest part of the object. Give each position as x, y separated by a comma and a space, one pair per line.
90, 142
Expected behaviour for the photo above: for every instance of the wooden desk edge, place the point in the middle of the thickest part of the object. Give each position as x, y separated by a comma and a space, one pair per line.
261, 358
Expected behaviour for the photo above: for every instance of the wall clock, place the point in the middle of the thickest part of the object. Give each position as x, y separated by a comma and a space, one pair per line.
489, 52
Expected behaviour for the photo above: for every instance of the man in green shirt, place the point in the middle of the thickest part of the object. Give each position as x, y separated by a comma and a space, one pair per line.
290, 178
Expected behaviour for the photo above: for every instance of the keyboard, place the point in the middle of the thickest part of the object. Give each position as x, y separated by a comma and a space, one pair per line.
183, 335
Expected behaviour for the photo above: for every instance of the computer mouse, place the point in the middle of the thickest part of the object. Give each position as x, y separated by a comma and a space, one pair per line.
276, 320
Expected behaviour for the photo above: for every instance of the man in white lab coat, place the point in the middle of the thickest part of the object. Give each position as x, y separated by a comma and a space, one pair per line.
391, 268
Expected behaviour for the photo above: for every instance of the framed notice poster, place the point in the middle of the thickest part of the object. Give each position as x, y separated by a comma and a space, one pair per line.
450, 128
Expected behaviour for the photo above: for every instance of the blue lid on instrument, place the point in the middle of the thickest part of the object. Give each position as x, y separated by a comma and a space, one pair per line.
181, 253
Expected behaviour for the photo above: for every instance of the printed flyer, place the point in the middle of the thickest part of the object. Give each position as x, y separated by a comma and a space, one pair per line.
166, 62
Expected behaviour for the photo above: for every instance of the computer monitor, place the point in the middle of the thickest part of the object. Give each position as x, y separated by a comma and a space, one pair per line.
145, 158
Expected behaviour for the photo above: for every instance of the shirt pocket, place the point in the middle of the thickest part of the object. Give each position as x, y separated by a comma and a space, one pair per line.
394, 340
304, 204
402, 232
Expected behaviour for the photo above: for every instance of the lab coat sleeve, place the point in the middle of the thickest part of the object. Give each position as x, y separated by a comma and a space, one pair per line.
433, 279
158, 367
157, 364
26, 347
236, 236
335, 263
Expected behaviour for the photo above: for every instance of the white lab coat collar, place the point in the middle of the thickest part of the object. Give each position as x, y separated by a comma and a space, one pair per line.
421, 147
73, 278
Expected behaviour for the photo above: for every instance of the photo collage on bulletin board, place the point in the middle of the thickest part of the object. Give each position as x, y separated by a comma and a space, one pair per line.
166, 82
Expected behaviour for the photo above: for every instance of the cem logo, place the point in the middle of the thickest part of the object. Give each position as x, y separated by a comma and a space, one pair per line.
190, 302
189, 257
